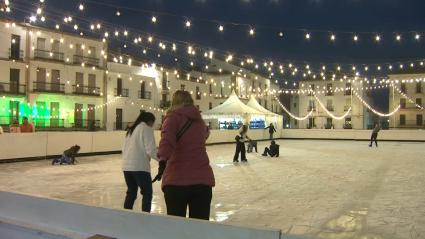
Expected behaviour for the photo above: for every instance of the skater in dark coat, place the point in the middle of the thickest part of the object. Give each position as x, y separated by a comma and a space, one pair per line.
252, 144
68, 156
272, 130
273, 150
374, 136
240, 144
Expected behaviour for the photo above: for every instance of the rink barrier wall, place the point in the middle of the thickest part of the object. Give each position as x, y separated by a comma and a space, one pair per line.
47, 145
64, 218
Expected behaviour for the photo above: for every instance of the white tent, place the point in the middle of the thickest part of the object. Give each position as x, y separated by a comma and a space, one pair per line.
270, 116
232, 107
253, 103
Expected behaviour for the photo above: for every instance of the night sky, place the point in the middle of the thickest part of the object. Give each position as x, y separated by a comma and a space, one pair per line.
344, 18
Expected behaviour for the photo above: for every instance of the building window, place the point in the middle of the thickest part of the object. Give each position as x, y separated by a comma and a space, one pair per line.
265, 104
329, 89
311, 105
182, 87
295, 105
198, 93
347, 89
419, 120
210, 105
15, 48
211, 91
418, 87
329, 105
348, 123
402, 119
403, 103
403, 88
328, 123
419, 101
311, 89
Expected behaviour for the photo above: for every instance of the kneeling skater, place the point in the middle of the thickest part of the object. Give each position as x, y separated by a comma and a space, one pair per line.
68, 156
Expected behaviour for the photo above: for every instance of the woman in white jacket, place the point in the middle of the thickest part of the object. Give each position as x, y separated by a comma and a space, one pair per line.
139, 147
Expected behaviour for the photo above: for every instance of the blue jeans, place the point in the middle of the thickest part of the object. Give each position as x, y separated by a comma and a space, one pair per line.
134, 180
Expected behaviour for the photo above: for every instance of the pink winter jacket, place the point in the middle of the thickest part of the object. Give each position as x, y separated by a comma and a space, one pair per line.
187, 159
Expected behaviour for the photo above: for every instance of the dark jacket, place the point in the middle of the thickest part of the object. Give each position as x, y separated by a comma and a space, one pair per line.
271, 129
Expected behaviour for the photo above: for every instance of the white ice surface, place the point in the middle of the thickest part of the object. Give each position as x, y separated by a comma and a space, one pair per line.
324, 189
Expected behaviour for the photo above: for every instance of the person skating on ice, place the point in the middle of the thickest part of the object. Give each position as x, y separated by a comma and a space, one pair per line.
240, 144
187, 177
272, 130
374, 136
139, 147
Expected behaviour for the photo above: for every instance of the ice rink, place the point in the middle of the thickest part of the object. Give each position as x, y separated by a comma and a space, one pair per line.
321, 189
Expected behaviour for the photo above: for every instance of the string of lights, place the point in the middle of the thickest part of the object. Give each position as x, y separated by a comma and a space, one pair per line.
292, 115
330, 113
375, 111
221, 26
245, 61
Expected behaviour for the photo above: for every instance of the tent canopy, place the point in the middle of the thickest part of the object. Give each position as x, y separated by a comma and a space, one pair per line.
230, 108
253, 103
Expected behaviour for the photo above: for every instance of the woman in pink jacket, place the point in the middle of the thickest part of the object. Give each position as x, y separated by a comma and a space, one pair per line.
187, 177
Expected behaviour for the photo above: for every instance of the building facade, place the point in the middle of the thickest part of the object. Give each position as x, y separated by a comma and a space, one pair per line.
61, 81
55, 79
408, 92
329, 101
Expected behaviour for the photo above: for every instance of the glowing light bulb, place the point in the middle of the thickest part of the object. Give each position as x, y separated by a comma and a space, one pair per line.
188, 24
398, 38
333, 37
307, 36
355, 38
417, 37
154, 19
251, 32
220, 28
377, 38
118, 13
81, 7
281, 34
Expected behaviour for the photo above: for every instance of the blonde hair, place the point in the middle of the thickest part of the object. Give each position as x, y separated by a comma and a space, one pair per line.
181, 98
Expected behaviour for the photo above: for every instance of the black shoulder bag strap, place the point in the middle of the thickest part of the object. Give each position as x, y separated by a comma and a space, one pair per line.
183, 130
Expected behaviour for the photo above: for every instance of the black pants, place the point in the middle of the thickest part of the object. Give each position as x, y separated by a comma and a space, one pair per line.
196, 197
240, 149
374, 138
134, 180
271, 135
267, 151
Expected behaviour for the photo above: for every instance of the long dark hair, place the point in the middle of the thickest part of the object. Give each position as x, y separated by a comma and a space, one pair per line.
144, 116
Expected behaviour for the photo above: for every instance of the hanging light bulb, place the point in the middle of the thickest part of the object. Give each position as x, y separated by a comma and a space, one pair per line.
333, 37
220, 28
355, 38
118, 13
417, 37
398, 37
307, 36
188, 24
281, 34
81, 7
251, 32
154, 19
377, 38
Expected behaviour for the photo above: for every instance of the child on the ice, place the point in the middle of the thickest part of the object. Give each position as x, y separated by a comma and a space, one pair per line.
273, 150
68, 156
251, 145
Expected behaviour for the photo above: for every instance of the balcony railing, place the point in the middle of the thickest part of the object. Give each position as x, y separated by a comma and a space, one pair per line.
85, 90
121, 93
419, 90
91, 61
15, 55
48, 87
12, 89
164, 104
147, 95
411, 124
311, 108
330, 108
329, 93
347, 92
49, 55
346, 107
409, 106
347, 126
49, 123
87, 124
